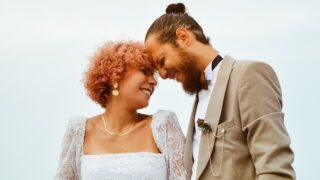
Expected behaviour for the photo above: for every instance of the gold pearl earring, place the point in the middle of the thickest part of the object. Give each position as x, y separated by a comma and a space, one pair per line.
115, 91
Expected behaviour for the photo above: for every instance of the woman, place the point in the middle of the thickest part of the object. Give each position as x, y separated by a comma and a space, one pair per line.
121, 143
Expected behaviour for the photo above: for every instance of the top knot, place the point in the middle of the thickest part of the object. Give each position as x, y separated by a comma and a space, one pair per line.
176, 8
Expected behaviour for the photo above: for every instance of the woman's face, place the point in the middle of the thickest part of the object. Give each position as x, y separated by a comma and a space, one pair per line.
136, 87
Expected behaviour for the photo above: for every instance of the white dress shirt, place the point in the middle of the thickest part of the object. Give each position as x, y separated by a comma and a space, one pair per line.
204, 98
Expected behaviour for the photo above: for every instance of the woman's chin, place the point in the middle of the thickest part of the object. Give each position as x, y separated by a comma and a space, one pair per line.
143, 105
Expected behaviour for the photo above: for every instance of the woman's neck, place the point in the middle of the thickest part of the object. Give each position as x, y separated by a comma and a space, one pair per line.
119, 118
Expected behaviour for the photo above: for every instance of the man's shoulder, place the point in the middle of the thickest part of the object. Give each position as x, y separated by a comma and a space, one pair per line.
241, 66
245, 64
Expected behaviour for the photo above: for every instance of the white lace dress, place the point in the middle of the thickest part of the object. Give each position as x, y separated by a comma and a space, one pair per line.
74, 165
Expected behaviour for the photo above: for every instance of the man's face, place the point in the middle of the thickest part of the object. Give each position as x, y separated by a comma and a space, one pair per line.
175, 63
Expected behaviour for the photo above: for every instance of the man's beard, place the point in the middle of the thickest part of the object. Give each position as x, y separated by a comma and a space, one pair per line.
191, 71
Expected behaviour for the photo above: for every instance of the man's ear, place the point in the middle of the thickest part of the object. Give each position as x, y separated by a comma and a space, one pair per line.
183, 37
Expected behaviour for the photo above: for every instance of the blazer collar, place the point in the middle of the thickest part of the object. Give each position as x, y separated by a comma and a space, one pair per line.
213, 113
188, 158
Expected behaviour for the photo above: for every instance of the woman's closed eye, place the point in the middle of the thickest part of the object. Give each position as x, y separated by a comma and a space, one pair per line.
146, 71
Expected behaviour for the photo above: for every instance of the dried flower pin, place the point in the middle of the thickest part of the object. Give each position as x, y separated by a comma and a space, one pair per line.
204, 126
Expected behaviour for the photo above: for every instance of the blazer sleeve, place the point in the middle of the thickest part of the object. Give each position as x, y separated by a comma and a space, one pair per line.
67, 162
260, 104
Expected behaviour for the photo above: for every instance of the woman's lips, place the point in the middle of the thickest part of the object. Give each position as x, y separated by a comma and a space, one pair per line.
147, 91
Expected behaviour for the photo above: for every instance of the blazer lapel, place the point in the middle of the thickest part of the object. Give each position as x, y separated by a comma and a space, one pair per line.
213, 113
188, 158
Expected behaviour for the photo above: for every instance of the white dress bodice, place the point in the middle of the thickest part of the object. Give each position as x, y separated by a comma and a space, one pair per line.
167, 134
141, 165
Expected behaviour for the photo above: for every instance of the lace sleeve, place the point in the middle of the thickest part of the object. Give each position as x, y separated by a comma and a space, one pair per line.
67, 162
170, 140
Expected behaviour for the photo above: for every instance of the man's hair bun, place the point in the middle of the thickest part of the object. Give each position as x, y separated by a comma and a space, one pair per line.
176, 8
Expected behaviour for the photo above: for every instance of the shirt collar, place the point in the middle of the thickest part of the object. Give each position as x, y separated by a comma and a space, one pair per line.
208, 73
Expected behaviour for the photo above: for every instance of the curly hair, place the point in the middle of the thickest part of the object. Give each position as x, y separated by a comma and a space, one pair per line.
109, 64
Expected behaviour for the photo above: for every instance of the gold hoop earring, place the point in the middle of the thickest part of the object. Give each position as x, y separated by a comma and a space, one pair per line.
115, 91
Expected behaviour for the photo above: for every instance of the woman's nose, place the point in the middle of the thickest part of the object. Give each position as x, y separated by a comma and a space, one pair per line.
152, 80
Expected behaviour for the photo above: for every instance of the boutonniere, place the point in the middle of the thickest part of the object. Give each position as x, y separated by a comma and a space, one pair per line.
204, 126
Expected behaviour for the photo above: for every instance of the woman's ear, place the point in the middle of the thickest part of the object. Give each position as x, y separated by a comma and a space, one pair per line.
183, 37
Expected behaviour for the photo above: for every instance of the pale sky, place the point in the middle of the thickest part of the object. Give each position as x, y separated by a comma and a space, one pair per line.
46, 45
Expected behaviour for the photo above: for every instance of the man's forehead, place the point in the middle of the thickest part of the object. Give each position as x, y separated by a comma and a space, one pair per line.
154, 48
152, 42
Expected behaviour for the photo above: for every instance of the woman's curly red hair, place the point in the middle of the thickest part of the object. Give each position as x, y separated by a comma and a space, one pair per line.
109, 64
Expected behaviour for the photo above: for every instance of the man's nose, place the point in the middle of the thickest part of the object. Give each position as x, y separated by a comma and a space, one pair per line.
163, 73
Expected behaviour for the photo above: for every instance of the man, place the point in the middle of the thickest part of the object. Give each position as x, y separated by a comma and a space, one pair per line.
236, 129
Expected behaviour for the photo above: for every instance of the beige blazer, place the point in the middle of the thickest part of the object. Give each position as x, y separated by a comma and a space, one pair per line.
248, 139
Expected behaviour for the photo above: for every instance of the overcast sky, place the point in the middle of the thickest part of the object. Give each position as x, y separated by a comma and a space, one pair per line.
45, 46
